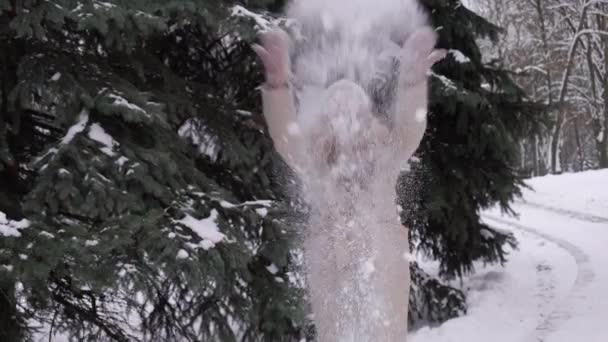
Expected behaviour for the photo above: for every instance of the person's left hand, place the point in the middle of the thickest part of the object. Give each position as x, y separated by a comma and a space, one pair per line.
274, 54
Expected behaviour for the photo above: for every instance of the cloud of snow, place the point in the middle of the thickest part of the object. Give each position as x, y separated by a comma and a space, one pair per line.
358, 40
344, 60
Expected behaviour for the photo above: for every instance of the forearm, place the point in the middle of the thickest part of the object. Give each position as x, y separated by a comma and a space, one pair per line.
410, 118
280, 116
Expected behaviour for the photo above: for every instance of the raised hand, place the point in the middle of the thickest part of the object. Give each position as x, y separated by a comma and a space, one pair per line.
418, 55
274, 54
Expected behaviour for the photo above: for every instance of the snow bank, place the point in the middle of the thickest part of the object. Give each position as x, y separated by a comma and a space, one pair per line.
585, 192
553, 288
505, 304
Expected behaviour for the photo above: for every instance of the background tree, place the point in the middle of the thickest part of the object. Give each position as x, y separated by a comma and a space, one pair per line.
559, 61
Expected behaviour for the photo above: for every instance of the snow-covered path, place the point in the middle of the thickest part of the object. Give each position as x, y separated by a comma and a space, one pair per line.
553, 289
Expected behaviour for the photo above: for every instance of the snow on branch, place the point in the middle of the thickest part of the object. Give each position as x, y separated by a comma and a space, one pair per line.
97, 133
446, 81
207, 229
78, 127
10, 227
262, 23
459, 56
122, 102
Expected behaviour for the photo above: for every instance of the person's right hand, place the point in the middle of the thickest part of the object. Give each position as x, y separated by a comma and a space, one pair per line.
418, 55
274, 54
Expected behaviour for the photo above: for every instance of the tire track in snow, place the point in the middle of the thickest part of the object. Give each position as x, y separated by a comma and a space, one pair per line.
563, 310
565, 212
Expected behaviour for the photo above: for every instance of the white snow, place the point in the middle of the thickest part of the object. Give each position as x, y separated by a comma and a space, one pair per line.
47, 235
97, 133
10, 227
100, 4
121, 161
582, 192
182, 254
91, 243
420, 115
368, 268
272, 268
207, 143
262, 212
228, 205
459, 56
206, 229
56, 77
446, 81
553, 288
122, 102
78, 127
261, 22
293, 129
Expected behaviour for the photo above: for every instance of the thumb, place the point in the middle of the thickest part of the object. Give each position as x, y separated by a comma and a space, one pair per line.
261, 52
436, 56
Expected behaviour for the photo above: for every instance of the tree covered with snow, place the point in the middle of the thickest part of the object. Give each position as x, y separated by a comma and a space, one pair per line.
141, 199
139, 194
468, 158
556, 50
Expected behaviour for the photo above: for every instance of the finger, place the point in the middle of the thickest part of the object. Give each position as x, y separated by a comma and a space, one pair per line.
422, 41
276, 38
436, 56
261, 52
273, 48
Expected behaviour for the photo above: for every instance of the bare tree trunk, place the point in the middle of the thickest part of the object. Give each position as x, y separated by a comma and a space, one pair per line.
556, 136
535, 164
579, 145
602, 138
540, 7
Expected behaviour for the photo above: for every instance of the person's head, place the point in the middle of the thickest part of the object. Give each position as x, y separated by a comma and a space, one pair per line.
342, 124
347, 110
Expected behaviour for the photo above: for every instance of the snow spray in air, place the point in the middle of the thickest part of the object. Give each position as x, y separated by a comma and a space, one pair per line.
344, 62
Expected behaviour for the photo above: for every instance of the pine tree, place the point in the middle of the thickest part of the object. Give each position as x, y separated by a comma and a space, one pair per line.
139, 194
466, 162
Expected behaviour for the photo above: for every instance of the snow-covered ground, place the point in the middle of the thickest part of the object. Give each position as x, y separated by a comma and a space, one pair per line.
553, 288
